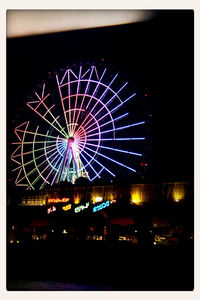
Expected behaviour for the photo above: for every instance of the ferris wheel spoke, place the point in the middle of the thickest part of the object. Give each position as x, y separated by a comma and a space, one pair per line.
80, 135
104, 124
72, 125
30, 152
82, 147
92, 158
60, 147
69, 103
37, 168
95, 152
63, 106
32, 161
57, 172
90, 113
84, 168
98, 174
33, 133
119, 128
80, 128
127, 99
58, 151
27, 153
113, 97
115, 149
118, 139
103, 95
28, 143
48, 110
113, 160
76, 99
40, 174
52, 169
85, 93
96, 89
82, 123
17, 181
88, 164
97, 127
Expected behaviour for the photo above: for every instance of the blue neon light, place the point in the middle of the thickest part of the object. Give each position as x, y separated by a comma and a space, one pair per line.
101, 206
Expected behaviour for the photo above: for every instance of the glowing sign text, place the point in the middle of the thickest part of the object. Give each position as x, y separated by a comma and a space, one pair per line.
67, 207
51, 209
57, 200
81, 207
101, 206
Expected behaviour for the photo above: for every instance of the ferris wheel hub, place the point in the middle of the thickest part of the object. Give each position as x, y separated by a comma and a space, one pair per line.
71, 140
82, 139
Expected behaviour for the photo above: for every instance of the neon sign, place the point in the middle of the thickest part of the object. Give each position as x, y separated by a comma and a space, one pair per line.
57, 200
81, 207
67, 207
51, 209
101, 206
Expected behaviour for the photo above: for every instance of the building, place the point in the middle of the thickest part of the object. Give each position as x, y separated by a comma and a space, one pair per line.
116, 212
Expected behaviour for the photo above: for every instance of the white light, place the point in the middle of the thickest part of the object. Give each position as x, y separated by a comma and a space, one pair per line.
98, 199
30, 22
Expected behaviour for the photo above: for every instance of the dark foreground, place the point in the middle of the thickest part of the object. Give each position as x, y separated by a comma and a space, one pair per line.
99, 265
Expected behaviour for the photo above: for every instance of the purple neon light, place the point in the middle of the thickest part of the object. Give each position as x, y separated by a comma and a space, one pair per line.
115, 161
119, 128
82, 117
92, 158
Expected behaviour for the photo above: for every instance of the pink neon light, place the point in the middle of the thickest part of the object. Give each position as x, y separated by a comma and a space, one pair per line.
43, 90
77, 92
80, 123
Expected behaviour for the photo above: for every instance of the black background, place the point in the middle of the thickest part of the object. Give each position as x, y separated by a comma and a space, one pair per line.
158, 55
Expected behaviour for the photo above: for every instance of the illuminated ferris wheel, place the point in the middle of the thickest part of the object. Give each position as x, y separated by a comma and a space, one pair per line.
80, 127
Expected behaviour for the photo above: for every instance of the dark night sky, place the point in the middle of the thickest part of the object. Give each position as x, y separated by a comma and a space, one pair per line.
157, 54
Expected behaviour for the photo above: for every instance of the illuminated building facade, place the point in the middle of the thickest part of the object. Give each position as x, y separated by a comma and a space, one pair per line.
103, 211
138, 194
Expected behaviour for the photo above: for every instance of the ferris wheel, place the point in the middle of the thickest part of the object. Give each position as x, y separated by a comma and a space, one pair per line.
79, 127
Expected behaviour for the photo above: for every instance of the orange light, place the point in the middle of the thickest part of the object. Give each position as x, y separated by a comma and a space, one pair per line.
113, 201
76, 200
57, 200
65, 199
